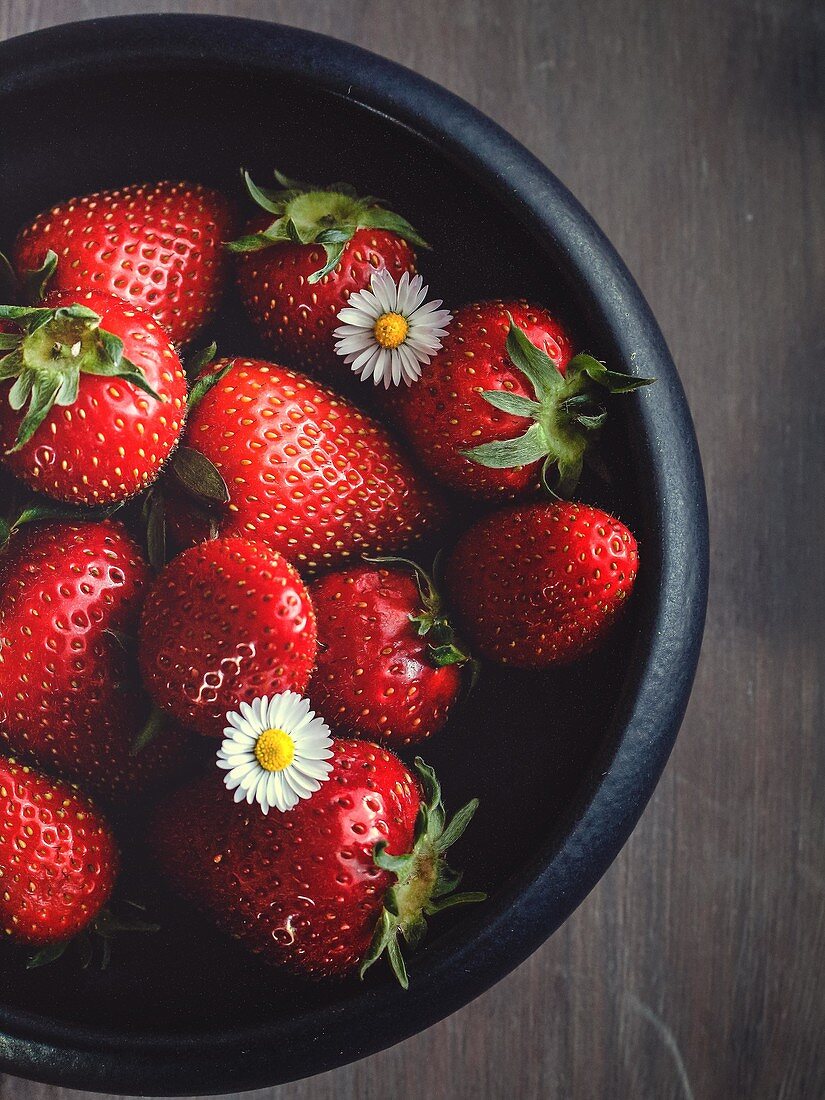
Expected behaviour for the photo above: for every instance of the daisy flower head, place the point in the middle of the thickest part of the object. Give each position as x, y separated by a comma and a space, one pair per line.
275, 751
387, 333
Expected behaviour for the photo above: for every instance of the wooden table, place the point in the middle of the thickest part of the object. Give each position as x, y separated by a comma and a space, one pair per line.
694, 133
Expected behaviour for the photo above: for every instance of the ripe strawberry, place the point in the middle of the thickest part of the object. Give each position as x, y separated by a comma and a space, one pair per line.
538, 585
299, 263
226, 622
70, 595
503, 402
106, 398
325, 887
58, 858
388, 665
157, 246
307, 471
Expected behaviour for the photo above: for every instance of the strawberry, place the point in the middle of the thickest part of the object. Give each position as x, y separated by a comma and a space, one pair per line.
322, 889
58, 858
106, 397
300, 261
388, 665
307, 471
538, 585
226, 622
70, 595
503, 402
157, 246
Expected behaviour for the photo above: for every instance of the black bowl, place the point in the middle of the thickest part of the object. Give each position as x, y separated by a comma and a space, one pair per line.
563, 764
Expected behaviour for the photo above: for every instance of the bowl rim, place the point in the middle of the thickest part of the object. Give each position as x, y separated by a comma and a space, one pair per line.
489, 944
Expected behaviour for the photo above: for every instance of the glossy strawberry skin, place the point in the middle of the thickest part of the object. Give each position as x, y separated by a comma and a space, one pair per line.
296, 318
114, 440
300, 889
373, 675
445, 414
541, 584
307, 471
58, 857
70, 597
226, 622
157, 246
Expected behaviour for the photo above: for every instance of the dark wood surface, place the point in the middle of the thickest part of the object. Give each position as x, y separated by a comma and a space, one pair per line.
694, 133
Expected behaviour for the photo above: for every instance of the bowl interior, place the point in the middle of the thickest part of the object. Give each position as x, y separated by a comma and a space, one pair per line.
530, 746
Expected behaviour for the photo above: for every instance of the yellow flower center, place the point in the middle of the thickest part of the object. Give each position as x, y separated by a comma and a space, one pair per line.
274, 750
391, 330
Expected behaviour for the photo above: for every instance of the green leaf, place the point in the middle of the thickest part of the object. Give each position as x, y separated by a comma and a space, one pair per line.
198, 476
267, 200
154, 725
205, 383
33, 283
133, 374
290, 184
545, 377
113, 347
448, 654
398, 865
378, 217
67, 394
512, 403
439, 905
504, 453
457, 825
397, 962
570, 470
614, 381
253, 242
10, 340
592, 423
11, 365
21, 390
43, 394
46, 955
196, 362
429, 781
385, 931
5, 533
333, 253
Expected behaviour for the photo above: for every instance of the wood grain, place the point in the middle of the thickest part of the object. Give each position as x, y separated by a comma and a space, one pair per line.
694, 133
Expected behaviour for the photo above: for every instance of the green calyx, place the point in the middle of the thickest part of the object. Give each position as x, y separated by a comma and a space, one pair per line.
99, 934
47, 357
443, 646
327, 216
33, 509
425, 883
564, 417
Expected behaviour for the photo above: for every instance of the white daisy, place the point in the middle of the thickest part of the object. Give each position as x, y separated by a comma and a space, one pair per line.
387, 332
275, 751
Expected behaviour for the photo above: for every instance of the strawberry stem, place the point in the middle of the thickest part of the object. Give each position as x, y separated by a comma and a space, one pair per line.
327, 216
425, 883
566, 414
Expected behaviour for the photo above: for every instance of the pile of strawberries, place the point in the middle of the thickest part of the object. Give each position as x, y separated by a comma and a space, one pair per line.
211, 548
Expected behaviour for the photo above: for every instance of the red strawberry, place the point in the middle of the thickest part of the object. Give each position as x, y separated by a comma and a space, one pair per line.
388, 665
325, 887
226, 622
106, 398
70, 596
540, 584
502, 404
298, 266
58, 858
157, 246
307, 471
